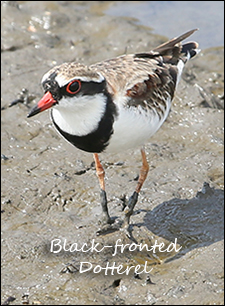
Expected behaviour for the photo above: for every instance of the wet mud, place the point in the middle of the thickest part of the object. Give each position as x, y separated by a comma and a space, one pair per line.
50, 191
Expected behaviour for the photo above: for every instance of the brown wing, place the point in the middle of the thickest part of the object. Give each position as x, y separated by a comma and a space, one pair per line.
123, 72
147, 78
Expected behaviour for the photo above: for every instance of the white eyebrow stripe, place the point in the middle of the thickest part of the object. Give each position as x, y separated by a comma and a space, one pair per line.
61, 80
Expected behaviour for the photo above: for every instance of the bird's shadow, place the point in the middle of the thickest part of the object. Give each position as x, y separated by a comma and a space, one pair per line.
195, 222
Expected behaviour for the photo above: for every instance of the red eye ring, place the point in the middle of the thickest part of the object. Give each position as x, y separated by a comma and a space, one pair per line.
70, 83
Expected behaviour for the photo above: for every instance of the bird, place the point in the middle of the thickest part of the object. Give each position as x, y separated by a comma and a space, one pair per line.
115, 105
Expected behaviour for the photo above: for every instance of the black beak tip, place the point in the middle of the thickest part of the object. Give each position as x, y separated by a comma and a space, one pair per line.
33, 111
30, 114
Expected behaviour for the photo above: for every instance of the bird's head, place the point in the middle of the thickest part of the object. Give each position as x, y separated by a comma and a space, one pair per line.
67, 86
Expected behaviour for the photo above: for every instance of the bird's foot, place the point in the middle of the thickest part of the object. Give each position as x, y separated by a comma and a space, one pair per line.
109, 227
105, 220
128, 211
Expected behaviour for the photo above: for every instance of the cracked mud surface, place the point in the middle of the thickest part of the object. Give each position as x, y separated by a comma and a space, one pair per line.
50, 190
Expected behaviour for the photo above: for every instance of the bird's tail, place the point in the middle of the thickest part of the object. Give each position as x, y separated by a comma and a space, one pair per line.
190, 49
173, 50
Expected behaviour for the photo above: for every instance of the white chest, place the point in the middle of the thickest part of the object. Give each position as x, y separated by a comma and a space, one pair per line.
134, 127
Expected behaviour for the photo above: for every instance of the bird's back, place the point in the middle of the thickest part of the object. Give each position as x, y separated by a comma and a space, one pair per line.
126, 74
143, 86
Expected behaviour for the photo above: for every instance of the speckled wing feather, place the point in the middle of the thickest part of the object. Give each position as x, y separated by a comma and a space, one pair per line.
145, 77
125, 71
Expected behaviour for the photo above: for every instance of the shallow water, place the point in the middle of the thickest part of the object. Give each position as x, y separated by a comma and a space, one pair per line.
165, 16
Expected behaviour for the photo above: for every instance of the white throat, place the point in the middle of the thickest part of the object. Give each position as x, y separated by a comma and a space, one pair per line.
79, 115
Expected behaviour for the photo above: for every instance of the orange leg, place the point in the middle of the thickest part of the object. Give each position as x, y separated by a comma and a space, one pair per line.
101, 175
133, 199
99, 171
143, 171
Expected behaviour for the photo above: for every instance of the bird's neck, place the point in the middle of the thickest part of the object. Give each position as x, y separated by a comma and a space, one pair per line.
82, 116
87, 128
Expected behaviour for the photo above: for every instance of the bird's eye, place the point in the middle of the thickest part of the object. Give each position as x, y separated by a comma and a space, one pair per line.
73, 87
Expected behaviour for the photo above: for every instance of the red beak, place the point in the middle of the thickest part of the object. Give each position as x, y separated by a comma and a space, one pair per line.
46, 102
